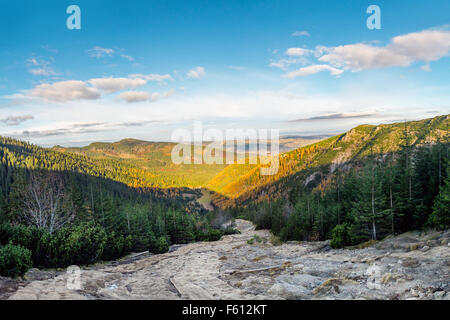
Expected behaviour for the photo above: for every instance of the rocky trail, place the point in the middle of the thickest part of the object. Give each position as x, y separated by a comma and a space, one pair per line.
248, 266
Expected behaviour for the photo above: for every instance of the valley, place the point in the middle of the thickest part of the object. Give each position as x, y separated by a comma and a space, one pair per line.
151, 165
363, 214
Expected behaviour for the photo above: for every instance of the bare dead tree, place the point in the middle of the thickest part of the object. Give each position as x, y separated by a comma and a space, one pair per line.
45, 202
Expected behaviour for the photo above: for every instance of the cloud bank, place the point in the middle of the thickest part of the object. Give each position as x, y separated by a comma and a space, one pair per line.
111, 85
16, 120
337, 116
402, 51
306, 71
64, 91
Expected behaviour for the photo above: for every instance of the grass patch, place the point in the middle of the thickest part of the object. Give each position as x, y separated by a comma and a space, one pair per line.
258, 258
275, 241
364, 245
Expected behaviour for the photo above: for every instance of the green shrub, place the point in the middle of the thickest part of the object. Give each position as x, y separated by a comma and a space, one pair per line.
440, 217
209, 235
231, 230
214, 235
85, 244
116, 246
25, 236
340, 236
14, 260
51, 250
159, 245
142, 240
201, 236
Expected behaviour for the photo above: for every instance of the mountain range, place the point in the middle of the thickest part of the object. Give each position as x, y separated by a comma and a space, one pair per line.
300, 157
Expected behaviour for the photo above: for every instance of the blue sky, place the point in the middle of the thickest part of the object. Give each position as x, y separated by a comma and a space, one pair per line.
144, 68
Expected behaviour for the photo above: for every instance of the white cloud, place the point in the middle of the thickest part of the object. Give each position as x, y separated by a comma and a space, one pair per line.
196, 73
78, 128
42, 72
357, 57
40, 67
402, 51
296, 56
339, 116
427, 45
139, 96
301, 34
152, 77
297, 52
116, 84
99, 52
16, 120
134, 96
283, 64
309, 70
125, 56
65, 91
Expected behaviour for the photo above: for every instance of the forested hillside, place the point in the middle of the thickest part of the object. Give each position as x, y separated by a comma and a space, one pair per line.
149, 164
240, 184
59, 209
362, 185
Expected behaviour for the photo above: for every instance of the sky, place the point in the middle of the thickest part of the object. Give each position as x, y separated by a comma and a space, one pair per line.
143, 69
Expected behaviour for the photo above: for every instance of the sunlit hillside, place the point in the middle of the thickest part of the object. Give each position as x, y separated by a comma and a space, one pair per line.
238, 180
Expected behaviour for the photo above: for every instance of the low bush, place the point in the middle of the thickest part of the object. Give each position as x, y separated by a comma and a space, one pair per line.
231, 230
25, 236
85, 244
160, 245
340, 236
50, 251
116, 246
14, 260
209, 235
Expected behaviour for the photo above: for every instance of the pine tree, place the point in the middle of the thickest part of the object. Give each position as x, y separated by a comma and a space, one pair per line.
440, 217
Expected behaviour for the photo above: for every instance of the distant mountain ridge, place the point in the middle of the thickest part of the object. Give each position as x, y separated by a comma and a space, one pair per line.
234, 182
124, 148
238, 183
153, 164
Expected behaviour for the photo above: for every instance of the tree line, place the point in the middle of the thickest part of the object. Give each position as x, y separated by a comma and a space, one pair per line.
61, 209
366, 199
